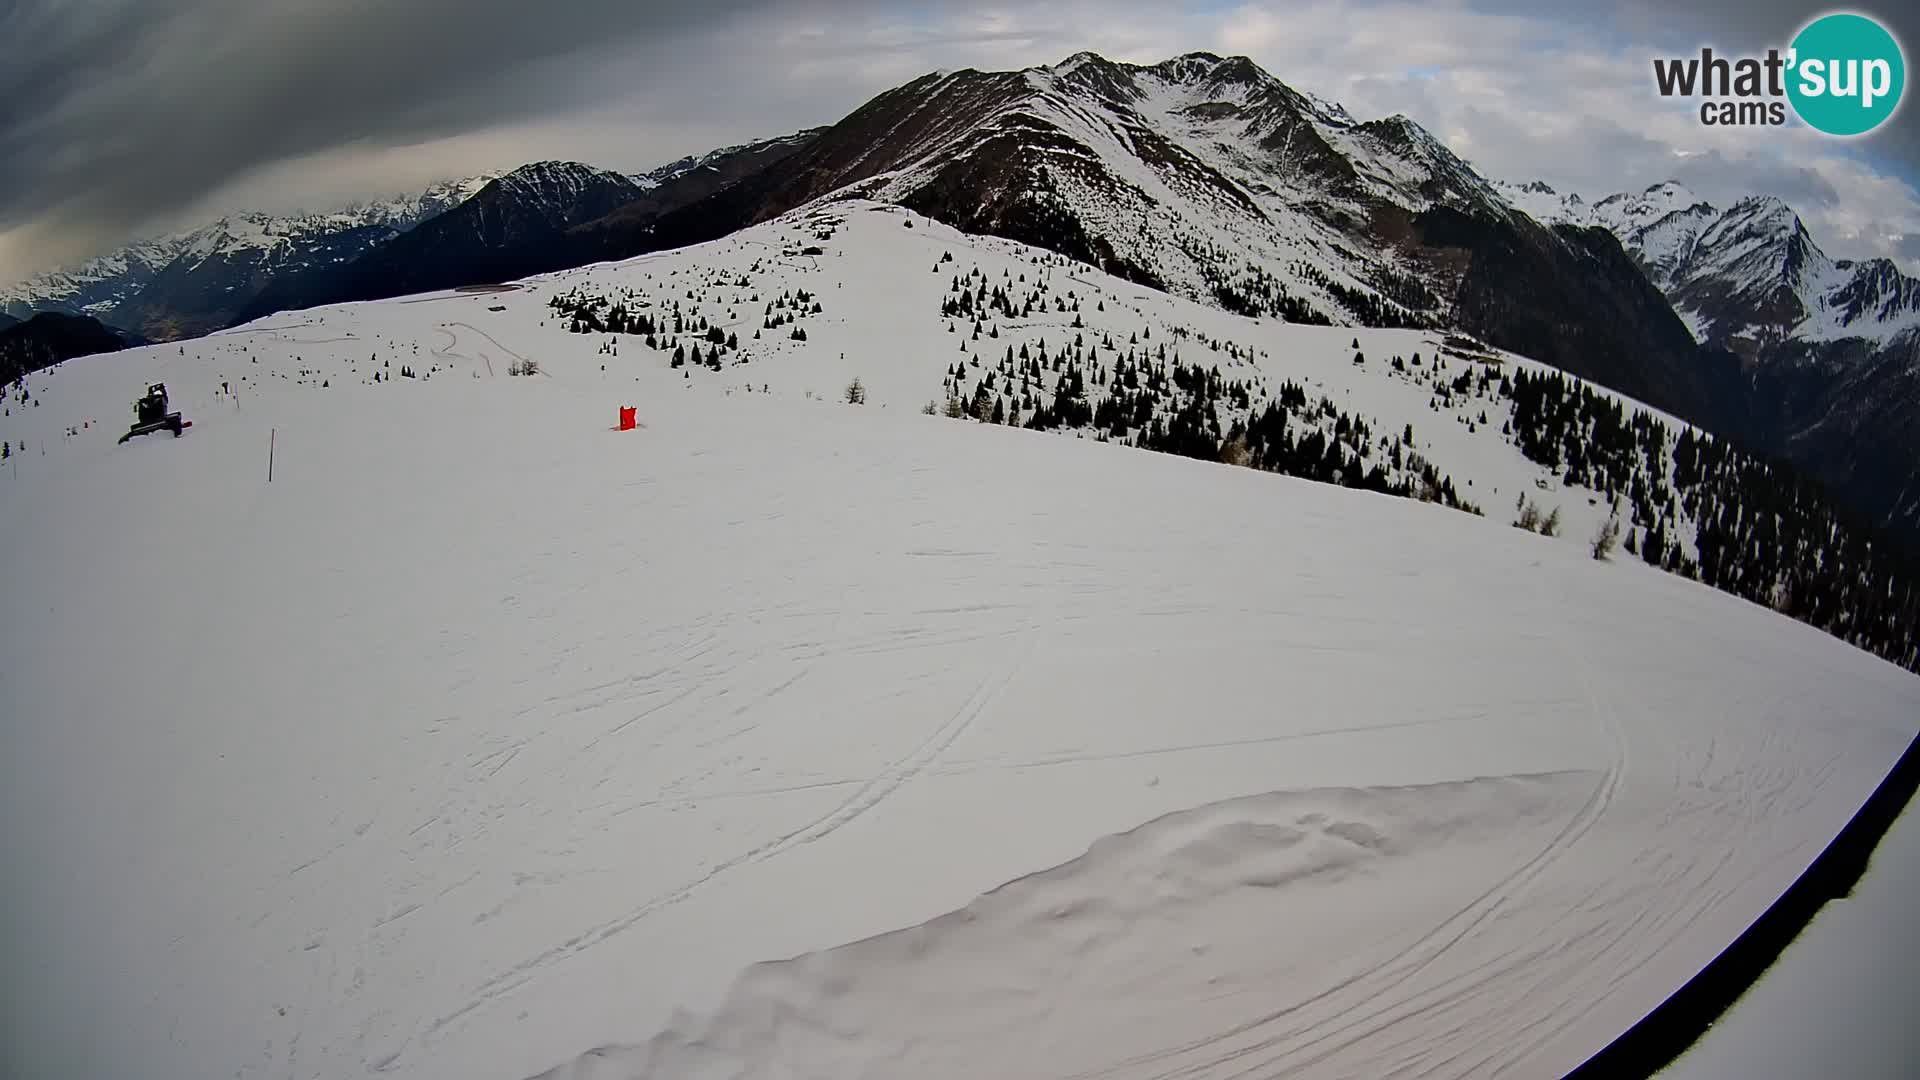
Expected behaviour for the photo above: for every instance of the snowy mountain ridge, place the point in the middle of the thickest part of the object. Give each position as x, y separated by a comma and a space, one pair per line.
160, 287
1203, 174
1747, 276
559, 183
674, 170
94, 287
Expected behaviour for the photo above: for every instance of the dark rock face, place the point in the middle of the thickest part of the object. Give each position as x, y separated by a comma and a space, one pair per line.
1572, 298
1848, 412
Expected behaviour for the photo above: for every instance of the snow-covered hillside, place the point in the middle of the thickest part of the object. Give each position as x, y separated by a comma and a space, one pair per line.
785, 736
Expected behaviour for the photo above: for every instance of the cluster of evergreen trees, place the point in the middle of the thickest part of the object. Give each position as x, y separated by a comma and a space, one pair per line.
592, 313
969, 297
1408, 291
1761, 530
690, 337
1401, 300
1320, 441
1145, 394
1255, 292
1371, 309
785, 309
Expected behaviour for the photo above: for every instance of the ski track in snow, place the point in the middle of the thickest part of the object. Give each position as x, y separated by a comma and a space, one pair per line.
864, 799
786, 738
1379, 993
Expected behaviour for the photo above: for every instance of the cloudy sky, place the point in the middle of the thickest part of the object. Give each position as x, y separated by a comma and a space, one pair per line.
120, 118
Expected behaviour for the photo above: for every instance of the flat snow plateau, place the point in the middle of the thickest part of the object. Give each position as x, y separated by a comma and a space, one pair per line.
782, 737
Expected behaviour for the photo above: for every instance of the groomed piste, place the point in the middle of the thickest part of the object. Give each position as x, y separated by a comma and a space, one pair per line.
783, 736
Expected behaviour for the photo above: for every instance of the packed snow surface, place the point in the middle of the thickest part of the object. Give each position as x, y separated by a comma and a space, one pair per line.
785, 737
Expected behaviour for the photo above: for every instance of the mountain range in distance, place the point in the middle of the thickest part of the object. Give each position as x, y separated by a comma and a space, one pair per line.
1203, 176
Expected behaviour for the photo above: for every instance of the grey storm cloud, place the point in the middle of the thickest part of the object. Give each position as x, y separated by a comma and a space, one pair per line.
122, 109
121, 116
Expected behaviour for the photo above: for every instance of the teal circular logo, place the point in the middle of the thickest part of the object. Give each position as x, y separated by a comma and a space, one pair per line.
1846, 74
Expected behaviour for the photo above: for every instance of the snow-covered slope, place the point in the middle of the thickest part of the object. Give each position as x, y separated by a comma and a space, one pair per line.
1665, 245
783, 736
